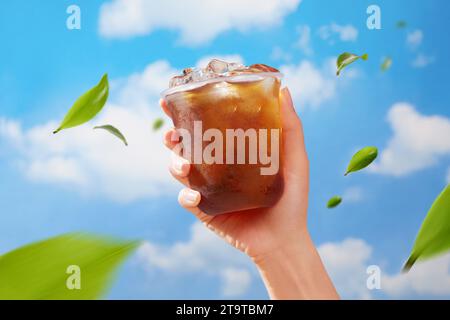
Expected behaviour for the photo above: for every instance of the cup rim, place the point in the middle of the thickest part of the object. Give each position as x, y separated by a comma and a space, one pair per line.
195, 85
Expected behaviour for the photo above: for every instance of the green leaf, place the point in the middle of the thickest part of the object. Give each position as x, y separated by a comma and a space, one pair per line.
334, 202
157, 124
114, 131
401, 24
39, 271
87, 106
434, 234
387, 63
362, 159
347, 58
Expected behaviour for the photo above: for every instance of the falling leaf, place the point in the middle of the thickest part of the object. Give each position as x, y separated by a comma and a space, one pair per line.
87, 106
347, 58
401, 24
113, 131
334, 202
387, 62
157, 124
42, 270
434, 234
362, 159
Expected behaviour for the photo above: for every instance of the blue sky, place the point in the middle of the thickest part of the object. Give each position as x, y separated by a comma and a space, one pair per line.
87, 181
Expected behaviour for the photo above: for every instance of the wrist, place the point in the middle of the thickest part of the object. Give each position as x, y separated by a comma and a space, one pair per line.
290, 247
295, 271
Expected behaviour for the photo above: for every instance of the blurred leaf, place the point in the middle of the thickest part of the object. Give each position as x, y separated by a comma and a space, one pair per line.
113, 131
434, 234
347, 58
334, 202
401, 24
87, 106
157, 124
387, 62
362, 159
39, 271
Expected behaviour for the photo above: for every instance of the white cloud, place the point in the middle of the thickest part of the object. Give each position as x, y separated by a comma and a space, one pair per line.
427, 278
311, 86
57, 170
346, 263
10, 130
353, 195
418, 141
94, 162
198, 21
304, 39
422, 60
235, 282
278, 54
142, 89
204, 252
414, 39
344, 32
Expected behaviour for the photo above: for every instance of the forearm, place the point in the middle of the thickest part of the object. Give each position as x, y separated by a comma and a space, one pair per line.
296, 272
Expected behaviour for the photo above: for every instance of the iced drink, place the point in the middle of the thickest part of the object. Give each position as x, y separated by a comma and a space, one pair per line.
228, 116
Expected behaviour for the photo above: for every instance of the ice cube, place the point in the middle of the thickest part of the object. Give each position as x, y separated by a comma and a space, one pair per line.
187, 71
233, 66
217, 66
197, 75
180, 80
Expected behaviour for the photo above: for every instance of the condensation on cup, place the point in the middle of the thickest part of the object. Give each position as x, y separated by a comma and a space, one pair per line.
228, 121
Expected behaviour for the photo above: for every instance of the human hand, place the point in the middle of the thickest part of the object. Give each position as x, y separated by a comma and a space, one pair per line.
257, 232
270, 235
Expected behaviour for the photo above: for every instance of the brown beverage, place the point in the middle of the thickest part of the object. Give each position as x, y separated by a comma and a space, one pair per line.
241, 107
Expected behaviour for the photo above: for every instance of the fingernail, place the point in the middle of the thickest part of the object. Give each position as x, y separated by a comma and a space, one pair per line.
174, 136
178, 164
190, 197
